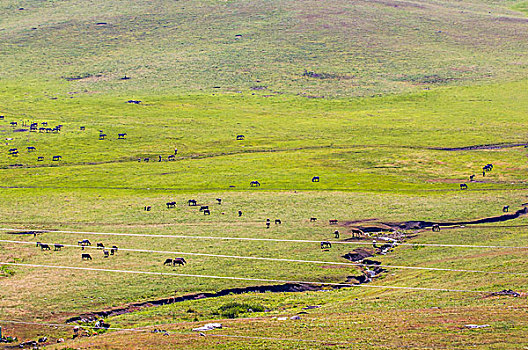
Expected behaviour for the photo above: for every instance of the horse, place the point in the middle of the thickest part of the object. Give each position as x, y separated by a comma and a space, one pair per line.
147, 208
336, 233
358, 232
102, 136
43, 246
471, 177
40, 159
121, 136
254, 184
58, 246
85, 256
171, 205
278, 222
31, 149
463, 186
105, 254
315, 179
313, 219
333, 222
240, 137
100, 245
505, 208
191, 202
239, 213
207, 212
326, 245
171, 158
84, 242
169, 262
82, 128
56, 158
178, 261
219, 200
204, 207
113, 250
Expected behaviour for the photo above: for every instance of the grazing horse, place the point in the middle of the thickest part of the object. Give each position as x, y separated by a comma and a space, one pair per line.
463, 186
146, 159
171, 205
113, 250
191, 202
207, 212
121, 136
56, 158
171, 158
102, 136
82, 128
178, 261
84, 242
505, 208
254, 184
58, 246
219, 200
315, 179
40, 159
13, 123
105, 254
147, 208
44, 123
326, 245
278, 222
435, 228
204, 207
169, 262
43, 246
239, 213
333, 222
357, 232
85, 256
31, 149
240, 137
471, 177
336, 233
313, 219
100, 245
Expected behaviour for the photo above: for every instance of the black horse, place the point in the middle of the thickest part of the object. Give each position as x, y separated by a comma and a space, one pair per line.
171, 205
191, 202
463, 186
254, 184
315, 179
43, 246
58, 246
326, 245
85, 256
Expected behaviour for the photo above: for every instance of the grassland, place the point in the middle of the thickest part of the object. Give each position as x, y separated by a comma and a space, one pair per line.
383, 100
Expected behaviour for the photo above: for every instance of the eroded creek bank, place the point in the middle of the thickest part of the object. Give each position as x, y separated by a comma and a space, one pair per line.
391, 233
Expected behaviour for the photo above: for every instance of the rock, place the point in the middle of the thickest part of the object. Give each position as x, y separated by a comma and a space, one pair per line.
475, 326
208, 327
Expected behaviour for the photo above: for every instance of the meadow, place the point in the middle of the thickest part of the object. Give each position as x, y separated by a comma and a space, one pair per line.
392, 104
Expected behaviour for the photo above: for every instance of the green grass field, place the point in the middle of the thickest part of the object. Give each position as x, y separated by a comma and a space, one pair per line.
392, 104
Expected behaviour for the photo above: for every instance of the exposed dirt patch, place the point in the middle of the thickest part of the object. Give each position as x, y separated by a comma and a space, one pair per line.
417, 225
477, 147
281, 288
359, 254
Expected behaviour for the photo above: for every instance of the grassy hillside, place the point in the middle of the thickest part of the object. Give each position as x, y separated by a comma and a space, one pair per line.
392, 104
347, 48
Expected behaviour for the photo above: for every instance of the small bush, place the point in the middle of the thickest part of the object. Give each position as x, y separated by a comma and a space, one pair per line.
233, 309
